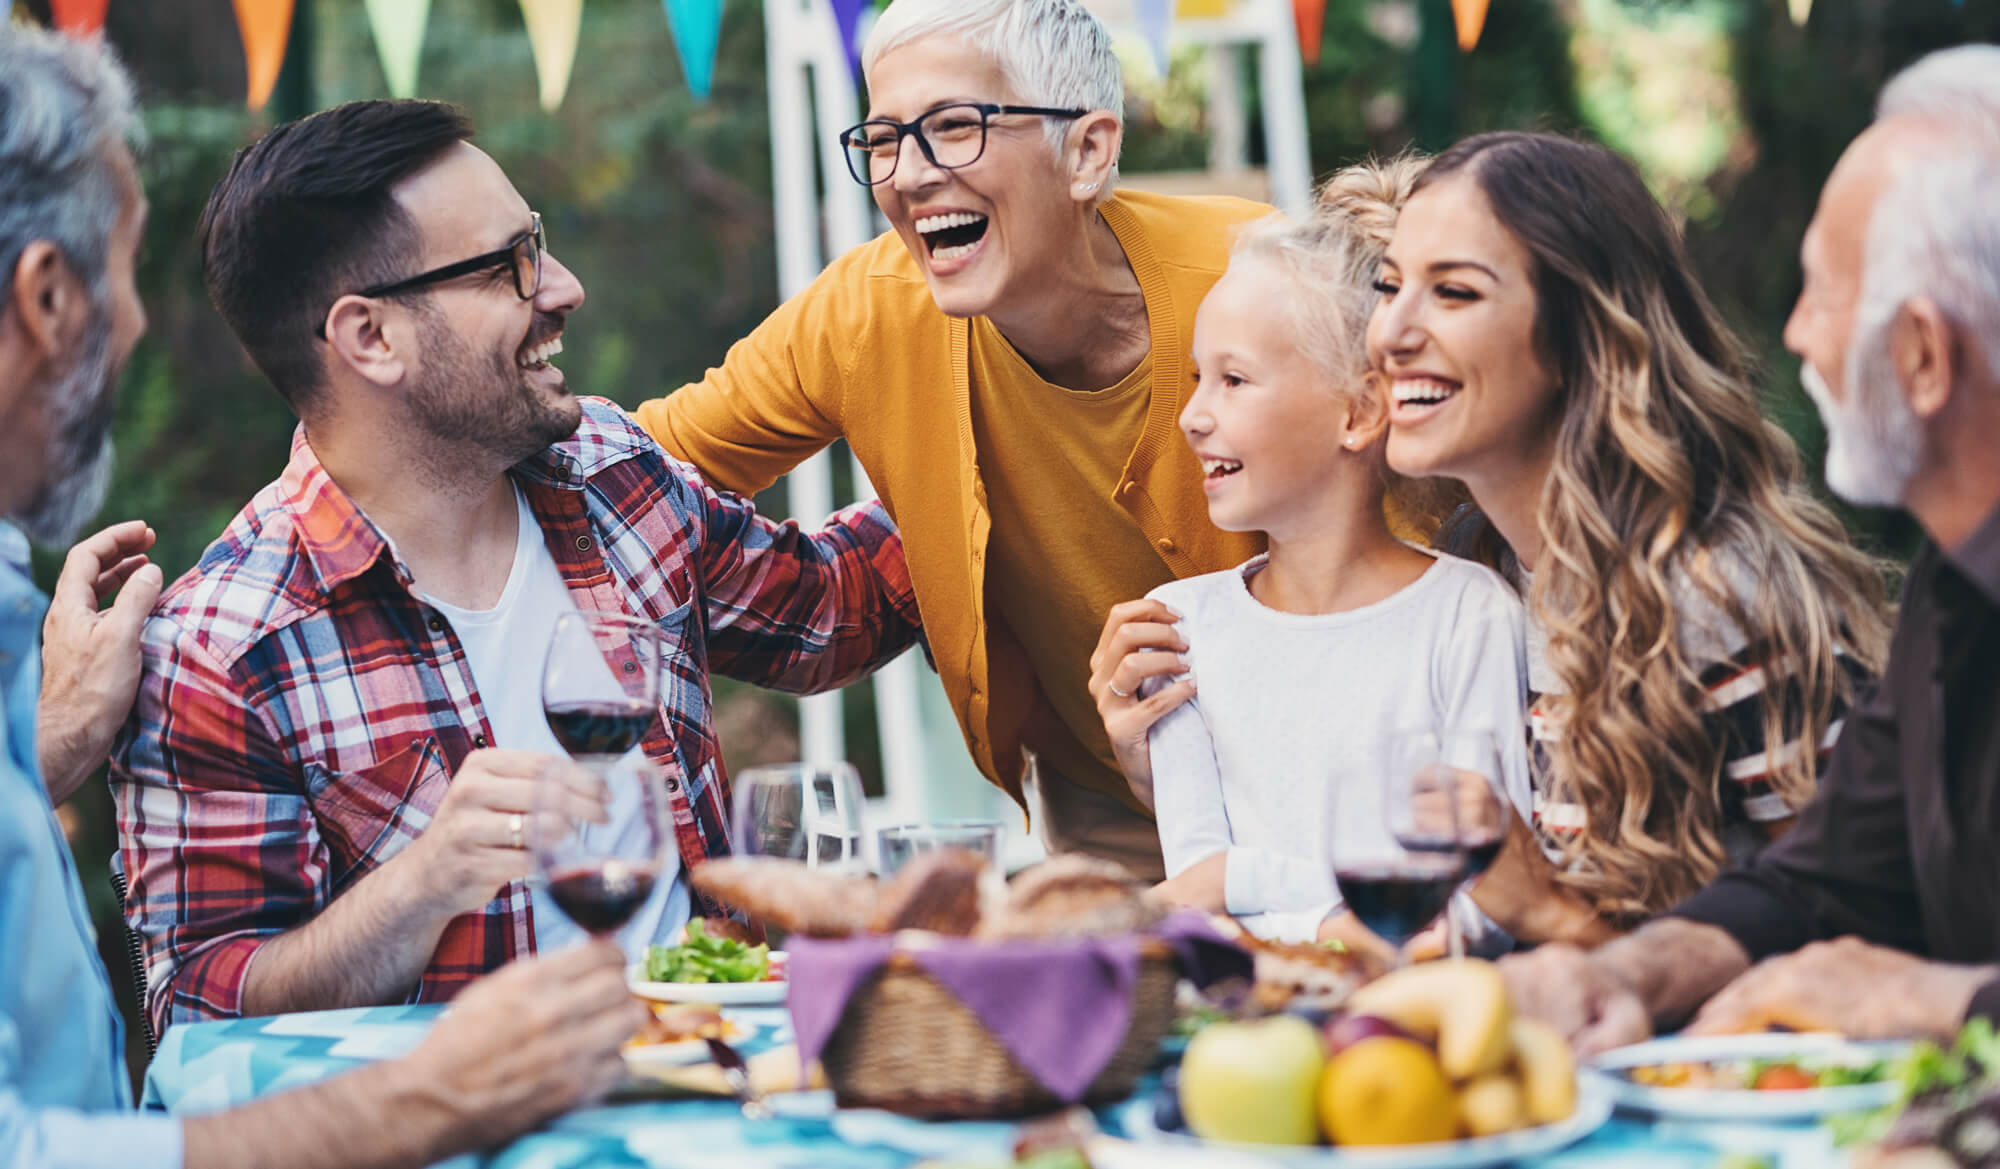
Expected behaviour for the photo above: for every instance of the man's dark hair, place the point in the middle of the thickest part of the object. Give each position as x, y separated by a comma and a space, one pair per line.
305, 216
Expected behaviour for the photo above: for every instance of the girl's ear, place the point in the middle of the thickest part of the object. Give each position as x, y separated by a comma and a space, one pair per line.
1367, 414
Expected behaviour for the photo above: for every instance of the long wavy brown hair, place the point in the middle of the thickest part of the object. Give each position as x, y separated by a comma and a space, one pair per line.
1669, 485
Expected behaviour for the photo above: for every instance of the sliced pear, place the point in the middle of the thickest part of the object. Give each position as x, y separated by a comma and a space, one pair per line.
1548, 1070
1461, 1007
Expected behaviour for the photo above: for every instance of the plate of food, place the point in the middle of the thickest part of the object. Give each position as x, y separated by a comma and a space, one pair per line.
678, 1033
1773, 1076
1424, 1068
709, 964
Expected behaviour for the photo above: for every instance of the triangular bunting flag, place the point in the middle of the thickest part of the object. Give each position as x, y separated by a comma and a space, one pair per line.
266, 26
847, 18
1470, 16
1310, 18
78, 17
1800, 10
1156, 20
399, 40
553, 27
697, 26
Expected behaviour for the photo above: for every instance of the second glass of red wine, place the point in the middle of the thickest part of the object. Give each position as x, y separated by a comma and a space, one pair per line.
598, 835
1447, 784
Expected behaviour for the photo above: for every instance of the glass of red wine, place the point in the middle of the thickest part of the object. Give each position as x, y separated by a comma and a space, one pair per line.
598, 833
1458, 770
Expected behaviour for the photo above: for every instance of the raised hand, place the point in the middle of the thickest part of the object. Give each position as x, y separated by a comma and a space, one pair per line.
90, 656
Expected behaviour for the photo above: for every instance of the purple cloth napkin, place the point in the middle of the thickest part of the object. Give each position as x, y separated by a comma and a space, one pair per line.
1059, 1007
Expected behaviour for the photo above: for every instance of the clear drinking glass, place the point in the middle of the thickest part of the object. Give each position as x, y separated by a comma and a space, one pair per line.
601, 684
598, 835
899, 844
801, 811
1459, 768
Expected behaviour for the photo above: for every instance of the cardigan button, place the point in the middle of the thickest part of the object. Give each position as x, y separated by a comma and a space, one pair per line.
1129, 489
1166, 545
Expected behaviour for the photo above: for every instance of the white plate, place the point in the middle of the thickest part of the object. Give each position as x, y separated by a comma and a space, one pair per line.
672, 1055
1610, 1070
723, 994
1593, 1108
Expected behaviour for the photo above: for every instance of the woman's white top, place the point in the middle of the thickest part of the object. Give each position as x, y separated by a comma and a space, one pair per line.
1277, 762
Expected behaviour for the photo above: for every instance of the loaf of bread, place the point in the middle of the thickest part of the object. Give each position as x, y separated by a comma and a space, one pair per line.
1073, 896
938, 891
787, 894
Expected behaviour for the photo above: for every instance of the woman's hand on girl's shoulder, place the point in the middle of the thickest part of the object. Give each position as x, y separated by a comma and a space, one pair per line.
1138, 645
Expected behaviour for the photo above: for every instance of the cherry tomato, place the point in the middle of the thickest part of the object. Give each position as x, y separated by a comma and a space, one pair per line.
1784, 1078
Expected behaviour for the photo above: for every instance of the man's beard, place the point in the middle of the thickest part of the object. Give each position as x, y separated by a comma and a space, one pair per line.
80, 455
455, 402
1874, 441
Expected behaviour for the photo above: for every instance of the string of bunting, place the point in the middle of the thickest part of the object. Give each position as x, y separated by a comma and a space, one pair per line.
554, 27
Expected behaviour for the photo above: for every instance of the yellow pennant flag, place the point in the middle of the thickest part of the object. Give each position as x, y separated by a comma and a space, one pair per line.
399, 40
266, 26
553, 26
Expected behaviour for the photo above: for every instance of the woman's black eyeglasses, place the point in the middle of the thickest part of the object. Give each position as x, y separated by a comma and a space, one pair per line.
523, 254
950, 136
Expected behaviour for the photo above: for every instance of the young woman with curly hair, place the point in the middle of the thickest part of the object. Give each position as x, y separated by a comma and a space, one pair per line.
1697, 616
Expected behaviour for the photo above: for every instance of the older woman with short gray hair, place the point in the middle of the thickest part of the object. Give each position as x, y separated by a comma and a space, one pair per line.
1007, 363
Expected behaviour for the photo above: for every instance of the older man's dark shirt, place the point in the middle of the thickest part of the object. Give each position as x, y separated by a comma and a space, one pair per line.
1902, 844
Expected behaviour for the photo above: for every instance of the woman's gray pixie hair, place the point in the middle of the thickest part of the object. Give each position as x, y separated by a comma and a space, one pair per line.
63, 104
1053, 52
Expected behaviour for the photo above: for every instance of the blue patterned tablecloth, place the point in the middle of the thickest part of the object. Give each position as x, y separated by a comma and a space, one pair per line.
206, 1066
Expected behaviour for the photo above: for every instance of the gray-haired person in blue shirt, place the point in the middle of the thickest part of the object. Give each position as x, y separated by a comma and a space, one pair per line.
532, 1040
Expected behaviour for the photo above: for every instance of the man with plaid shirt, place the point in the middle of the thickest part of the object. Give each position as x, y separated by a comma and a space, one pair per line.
338, 730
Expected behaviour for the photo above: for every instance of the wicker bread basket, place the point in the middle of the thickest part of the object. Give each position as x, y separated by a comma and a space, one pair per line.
908, 1045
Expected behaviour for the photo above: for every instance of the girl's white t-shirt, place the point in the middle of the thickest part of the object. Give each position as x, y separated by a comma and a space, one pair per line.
1277, 762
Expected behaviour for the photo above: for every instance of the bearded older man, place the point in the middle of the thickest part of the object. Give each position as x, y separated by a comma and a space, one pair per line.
527, 1043
1879, 913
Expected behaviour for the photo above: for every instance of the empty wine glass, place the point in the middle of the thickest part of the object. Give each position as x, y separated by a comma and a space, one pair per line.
801, 811
598, 836
1458, 770
601, 684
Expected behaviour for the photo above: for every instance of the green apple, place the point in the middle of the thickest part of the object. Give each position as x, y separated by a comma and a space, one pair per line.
1253, 1082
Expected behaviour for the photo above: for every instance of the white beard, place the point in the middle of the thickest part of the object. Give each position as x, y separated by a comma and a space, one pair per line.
1874, 441
80, 454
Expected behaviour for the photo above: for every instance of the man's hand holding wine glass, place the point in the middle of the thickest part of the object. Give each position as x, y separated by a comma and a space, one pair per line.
476, 842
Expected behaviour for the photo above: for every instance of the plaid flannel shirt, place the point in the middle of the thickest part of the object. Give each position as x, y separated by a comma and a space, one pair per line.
302, 709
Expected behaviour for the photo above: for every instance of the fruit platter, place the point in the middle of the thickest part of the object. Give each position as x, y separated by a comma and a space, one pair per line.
1425, 1068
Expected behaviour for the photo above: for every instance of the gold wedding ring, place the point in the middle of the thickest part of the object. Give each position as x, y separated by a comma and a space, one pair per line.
515, 824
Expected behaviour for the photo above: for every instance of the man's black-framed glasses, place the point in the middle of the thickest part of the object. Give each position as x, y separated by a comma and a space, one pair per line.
950, 136
522, 256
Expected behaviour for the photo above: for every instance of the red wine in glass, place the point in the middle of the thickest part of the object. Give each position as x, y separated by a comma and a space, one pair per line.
598, 729
602, 897
1397, 898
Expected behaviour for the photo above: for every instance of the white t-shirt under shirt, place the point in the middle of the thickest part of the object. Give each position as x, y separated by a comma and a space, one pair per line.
504, 647
1293, 706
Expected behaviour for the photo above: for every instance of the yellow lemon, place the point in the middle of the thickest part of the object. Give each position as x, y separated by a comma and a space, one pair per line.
1386, 1091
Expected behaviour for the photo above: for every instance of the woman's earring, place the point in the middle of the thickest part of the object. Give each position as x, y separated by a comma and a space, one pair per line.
1088, 187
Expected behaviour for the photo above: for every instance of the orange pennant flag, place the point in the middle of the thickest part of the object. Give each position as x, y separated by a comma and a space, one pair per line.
1470, 16
79, 17
266, 26
1310, 17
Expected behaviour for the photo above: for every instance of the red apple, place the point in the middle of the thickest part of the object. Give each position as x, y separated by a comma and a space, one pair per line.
1344, 1031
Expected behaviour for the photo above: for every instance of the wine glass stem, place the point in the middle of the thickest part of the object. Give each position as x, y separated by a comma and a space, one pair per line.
1454, 933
